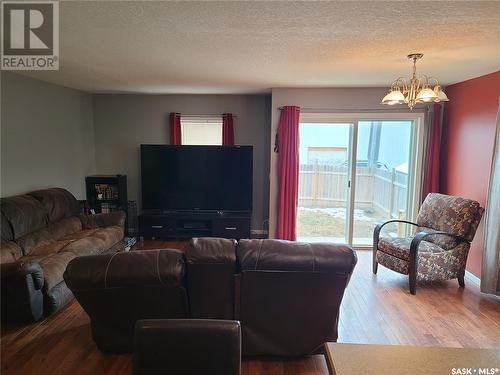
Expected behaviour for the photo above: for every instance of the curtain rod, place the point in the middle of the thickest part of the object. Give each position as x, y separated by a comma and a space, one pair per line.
205, 116
355, 110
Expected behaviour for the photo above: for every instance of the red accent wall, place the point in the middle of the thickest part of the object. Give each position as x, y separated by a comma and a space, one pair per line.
468, 136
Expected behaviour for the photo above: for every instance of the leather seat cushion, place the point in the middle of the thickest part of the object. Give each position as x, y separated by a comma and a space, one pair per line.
46, 249
400, 247
84, 242
110, 235
86, 246
40, 241
79, 235
54, 257
65, 227
96, 241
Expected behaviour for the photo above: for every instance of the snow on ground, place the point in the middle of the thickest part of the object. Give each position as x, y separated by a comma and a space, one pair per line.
341, 213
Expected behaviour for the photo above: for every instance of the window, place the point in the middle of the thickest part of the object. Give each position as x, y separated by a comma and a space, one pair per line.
201, 130
356, 170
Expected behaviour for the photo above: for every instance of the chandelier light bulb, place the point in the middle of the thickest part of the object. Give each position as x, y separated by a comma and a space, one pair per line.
414, 90
426, 95
395, 96
441, 96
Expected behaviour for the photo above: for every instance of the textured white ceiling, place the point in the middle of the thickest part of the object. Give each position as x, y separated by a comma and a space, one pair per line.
240, 47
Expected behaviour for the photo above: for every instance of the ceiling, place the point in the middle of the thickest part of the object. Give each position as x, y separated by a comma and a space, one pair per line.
250, 47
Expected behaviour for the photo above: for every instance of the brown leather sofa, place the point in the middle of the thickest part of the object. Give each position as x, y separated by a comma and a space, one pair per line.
287, 295
41, 232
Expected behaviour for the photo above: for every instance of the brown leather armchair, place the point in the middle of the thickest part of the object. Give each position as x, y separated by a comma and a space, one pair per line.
187, 346
445, 227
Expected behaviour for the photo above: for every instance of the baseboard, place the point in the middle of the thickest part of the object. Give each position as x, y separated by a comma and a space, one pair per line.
476, 280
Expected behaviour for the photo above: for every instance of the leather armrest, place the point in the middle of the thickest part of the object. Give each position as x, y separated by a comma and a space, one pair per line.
116, 218
126, 269
23, 268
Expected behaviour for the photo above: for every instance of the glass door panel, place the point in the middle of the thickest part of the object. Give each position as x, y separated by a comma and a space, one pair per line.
383, 166
324, 175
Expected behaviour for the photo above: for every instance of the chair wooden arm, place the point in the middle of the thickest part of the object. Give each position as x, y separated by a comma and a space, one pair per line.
421, 235
378, 227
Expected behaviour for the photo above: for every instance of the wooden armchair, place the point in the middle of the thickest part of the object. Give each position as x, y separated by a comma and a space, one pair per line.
446, 225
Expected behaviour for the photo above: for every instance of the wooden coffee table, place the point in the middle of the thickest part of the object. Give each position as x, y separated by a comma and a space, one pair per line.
358, 359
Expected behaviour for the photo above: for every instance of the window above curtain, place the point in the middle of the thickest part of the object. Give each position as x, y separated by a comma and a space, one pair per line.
201, 130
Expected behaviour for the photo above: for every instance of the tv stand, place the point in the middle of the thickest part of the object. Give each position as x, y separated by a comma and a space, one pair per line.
187, 224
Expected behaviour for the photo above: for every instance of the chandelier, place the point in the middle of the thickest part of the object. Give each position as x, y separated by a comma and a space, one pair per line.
416, 90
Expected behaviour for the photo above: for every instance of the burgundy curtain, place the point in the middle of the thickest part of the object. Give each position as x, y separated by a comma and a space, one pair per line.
227, 129
432, 171
288, 172
175, 128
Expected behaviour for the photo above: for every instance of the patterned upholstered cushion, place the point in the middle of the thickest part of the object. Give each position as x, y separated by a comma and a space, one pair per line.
442, 266
393, 263
450, 214
400, 247
431, 266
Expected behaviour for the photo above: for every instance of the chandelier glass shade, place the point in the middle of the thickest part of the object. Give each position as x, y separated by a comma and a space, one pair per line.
417, 90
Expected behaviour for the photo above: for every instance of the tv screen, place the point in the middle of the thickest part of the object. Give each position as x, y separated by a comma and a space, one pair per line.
196, 177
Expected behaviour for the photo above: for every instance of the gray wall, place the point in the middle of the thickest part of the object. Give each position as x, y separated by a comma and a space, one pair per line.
46, 136
123, 122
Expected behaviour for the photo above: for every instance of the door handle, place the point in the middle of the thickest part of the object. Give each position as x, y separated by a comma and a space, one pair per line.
230, 228
157, 226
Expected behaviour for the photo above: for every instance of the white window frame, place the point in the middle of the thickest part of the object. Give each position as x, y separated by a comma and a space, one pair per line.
190, 123
416, 152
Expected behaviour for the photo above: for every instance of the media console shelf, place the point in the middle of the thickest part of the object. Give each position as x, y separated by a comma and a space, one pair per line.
188, 224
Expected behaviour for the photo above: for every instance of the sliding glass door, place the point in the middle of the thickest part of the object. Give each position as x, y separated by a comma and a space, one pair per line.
382, 170
356, 172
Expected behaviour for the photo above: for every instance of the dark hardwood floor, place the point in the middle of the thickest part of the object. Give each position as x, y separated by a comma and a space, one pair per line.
376, 309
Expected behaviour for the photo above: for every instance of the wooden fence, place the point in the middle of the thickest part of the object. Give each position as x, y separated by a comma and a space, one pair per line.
376, 188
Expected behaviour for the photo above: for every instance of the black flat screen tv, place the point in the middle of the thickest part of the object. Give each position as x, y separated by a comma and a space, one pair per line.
196, 177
